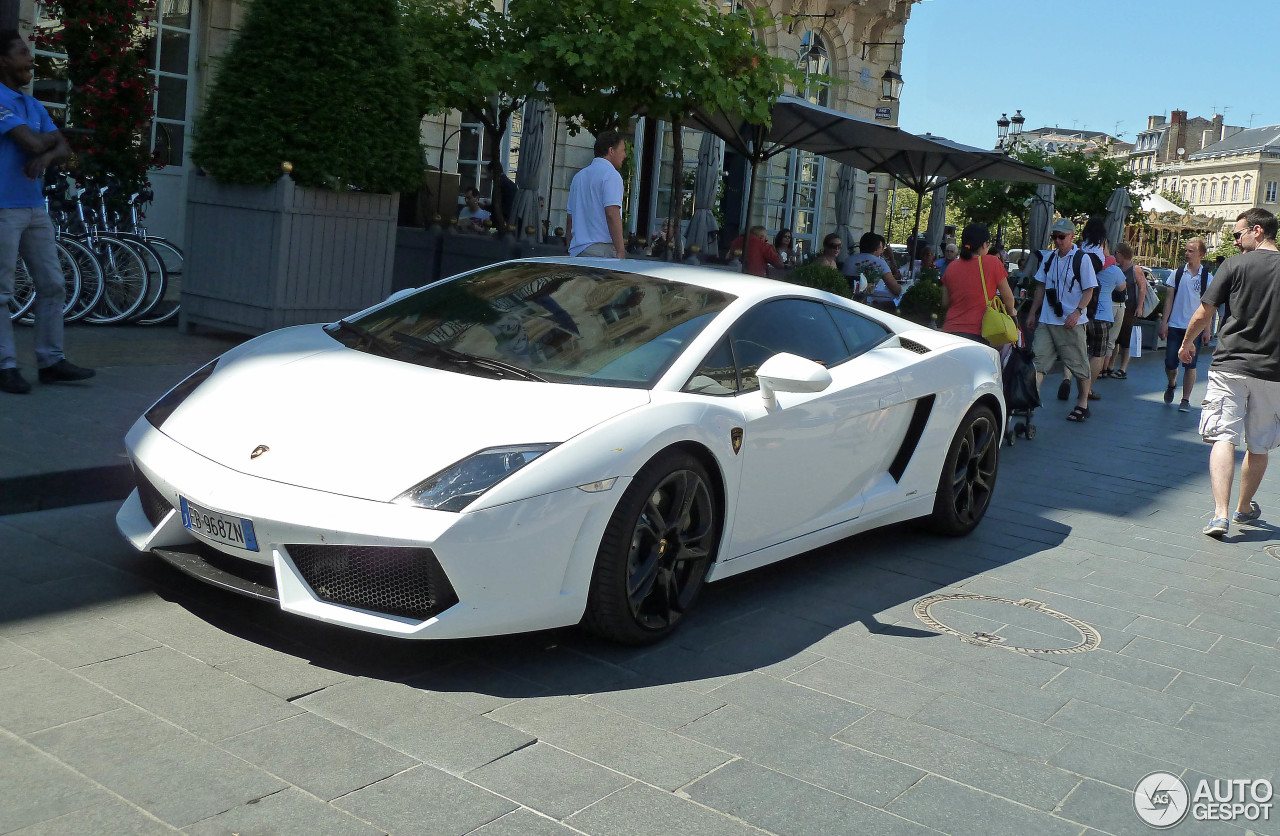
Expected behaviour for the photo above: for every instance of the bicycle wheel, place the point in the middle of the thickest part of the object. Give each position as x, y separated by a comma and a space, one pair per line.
71, 280
91, 280
167, 308
157, 274
24, 291
125, 278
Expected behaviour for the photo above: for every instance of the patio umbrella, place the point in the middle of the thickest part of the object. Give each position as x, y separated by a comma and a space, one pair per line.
703, 223
937, 220
1118, 206
524, 207
1038, 222
846, 193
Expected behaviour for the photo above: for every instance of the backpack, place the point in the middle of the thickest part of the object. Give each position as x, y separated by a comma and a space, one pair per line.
1177, 280
1075, 267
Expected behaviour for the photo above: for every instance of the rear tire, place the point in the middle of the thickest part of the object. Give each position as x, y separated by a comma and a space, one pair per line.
968, 476
655, 552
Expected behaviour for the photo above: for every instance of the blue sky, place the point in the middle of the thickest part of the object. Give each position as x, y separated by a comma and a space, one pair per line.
967, 61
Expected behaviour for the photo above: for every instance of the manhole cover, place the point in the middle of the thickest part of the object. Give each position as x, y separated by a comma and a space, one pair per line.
1274, 551
993, 622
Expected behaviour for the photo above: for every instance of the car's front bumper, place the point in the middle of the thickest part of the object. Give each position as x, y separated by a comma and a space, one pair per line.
516, 567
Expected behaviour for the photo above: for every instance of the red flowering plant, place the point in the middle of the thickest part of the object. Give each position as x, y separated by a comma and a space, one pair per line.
106, 43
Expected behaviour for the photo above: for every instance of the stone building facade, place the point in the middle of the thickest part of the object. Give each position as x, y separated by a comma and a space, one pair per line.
854, 41
1227, 177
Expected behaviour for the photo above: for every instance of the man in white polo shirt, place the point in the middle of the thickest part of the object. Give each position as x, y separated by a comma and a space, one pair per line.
595, 202
1180, 304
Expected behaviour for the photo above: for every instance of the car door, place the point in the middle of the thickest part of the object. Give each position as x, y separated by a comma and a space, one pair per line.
805, 462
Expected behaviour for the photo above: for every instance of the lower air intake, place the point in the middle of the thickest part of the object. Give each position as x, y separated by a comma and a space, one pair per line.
408, 582
154, 505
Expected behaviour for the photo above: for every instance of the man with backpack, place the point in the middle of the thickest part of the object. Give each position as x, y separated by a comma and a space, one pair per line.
1180, 304
1065, 284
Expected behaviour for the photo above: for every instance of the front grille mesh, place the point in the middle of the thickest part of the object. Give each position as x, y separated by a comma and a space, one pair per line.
154, 505
407, 582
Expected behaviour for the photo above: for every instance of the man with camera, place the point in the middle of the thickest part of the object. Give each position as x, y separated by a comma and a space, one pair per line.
1065, 284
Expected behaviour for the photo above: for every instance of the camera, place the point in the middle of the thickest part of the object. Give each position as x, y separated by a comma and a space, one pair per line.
1052, 294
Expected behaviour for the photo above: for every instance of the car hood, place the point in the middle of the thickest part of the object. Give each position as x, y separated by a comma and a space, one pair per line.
345, 422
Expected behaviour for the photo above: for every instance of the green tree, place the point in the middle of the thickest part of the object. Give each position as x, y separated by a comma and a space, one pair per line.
323, 84
466, 55
1176, 199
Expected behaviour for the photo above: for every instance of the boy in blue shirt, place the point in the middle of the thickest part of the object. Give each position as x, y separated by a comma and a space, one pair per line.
29, 143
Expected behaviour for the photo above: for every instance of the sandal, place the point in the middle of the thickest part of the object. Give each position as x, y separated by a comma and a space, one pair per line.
1094, 396
1104, 373
1078, 415
1119, 375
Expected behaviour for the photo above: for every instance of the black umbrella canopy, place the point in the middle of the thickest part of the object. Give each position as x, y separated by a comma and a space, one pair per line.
945, 161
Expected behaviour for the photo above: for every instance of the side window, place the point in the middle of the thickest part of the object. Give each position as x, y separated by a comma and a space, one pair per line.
860, 334
795, 326
716, 375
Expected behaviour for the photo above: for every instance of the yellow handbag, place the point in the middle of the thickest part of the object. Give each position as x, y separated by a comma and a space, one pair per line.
998, 328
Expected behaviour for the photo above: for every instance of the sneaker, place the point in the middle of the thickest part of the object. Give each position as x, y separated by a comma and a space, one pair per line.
1185, 406
12, 381
1168, 394
64, 371
1252, 515
1217, 529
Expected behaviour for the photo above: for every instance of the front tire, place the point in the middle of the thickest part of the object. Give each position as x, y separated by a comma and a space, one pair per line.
968, 474
654, 554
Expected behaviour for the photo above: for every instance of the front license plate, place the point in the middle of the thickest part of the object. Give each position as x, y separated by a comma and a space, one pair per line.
232, 531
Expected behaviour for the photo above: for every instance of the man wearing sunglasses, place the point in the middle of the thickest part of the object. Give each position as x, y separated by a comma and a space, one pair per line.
1065, 284
1242, 403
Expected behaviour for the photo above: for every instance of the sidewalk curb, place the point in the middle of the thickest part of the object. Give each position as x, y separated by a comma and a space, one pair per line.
42, 491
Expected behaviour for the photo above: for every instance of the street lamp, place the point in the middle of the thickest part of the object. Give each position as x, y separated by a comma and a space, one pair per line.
890, 86
1002, 130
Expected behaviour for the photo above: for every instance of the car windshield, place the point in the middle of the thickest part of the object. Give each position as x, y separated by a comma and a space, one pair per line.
552, 322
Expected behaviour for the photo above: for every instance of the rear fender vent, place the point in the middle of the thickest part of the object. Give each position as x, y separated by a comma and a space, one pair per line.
912, 345
407, 582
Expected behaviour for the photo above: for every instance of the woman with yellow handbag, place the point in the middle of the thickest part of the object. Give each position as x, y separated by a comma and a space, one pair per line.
973, 290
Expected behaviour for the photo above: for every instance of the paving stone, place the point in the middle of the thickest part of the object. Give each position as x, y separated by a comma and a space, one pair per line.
998, 692
960, 810
664, 706
643, 811
86, 642
879, 657
1266, 617
109, 817
864, 687
282, 674
1115, 573
38, 695
548, 780
675, 664
288, 811
1111, 809
522, 823
1240, 731
1111, 764
417, 723
1244, 652
848, 770
1263, 679
1215, 666
565, 671
475, 686
659, 757
1165, 631
38, 788
791, 703
1017, 666
1122, 696
788, 807
1157, 740
323, 758
1123, 667
201, 699
961, 759
997, 729
167, 772
1124, 601
1183, 567
13, 654
1213, 623
178, 628
425, 802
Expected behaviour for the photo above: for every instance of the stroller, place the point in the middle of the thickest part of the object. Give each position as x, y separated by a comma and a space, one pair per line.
1021, 395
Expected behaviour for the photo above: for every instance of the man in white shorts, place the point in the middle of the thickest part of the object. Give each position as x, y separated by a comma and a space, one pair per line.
1242, 404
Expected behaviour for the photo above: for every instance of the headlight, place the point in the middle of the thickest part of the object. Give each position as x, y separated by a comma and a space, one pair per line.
458, 485
165, 407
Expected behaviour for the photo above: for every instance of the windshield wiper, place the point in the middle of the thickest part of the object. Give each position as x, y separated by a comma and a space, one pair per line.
374, 341
494, 366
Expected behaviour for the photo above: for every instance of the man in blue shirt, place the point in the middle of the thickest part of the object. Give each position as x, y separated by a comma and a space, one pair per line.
29, 143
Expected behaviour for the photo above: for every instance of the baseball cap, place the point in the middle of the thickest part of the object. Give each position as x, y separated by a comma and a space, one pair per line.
1063, 225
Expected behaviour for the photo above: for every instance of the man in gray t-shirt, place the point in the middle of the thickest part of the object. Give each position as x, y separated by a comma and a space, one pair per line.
1242, 403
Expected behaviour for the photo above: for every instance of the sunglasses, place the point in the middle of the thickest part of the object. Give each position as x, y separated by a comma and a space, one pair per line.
1060, 236
1236, 235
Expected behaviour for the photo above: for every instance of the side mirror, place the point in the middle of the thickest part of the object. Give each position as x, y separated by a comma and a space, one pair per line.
789, 373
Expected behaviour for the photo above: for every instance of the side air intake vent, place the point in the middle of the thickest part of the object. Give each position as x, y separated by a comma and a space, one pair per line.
912, 345
407, 582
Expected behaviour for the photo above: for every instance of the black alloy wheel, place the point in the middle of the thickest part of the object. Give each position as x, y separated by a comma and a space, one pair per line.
968, 475
654, 555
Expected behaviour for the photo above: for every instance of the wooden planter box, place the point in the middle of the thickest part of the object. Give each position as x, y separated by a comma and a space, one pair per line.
265, 257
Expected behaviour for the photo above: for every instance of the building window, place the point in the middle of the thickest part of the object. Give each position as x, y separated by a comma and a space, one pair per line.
1213, 192
1248, 190
1235, 190
1184, 191
473, 166
1271, 192
1204, 190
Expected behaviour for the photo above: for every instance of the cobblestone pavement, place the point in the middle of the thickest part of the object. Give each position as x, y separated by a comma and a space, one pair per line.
806, 698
